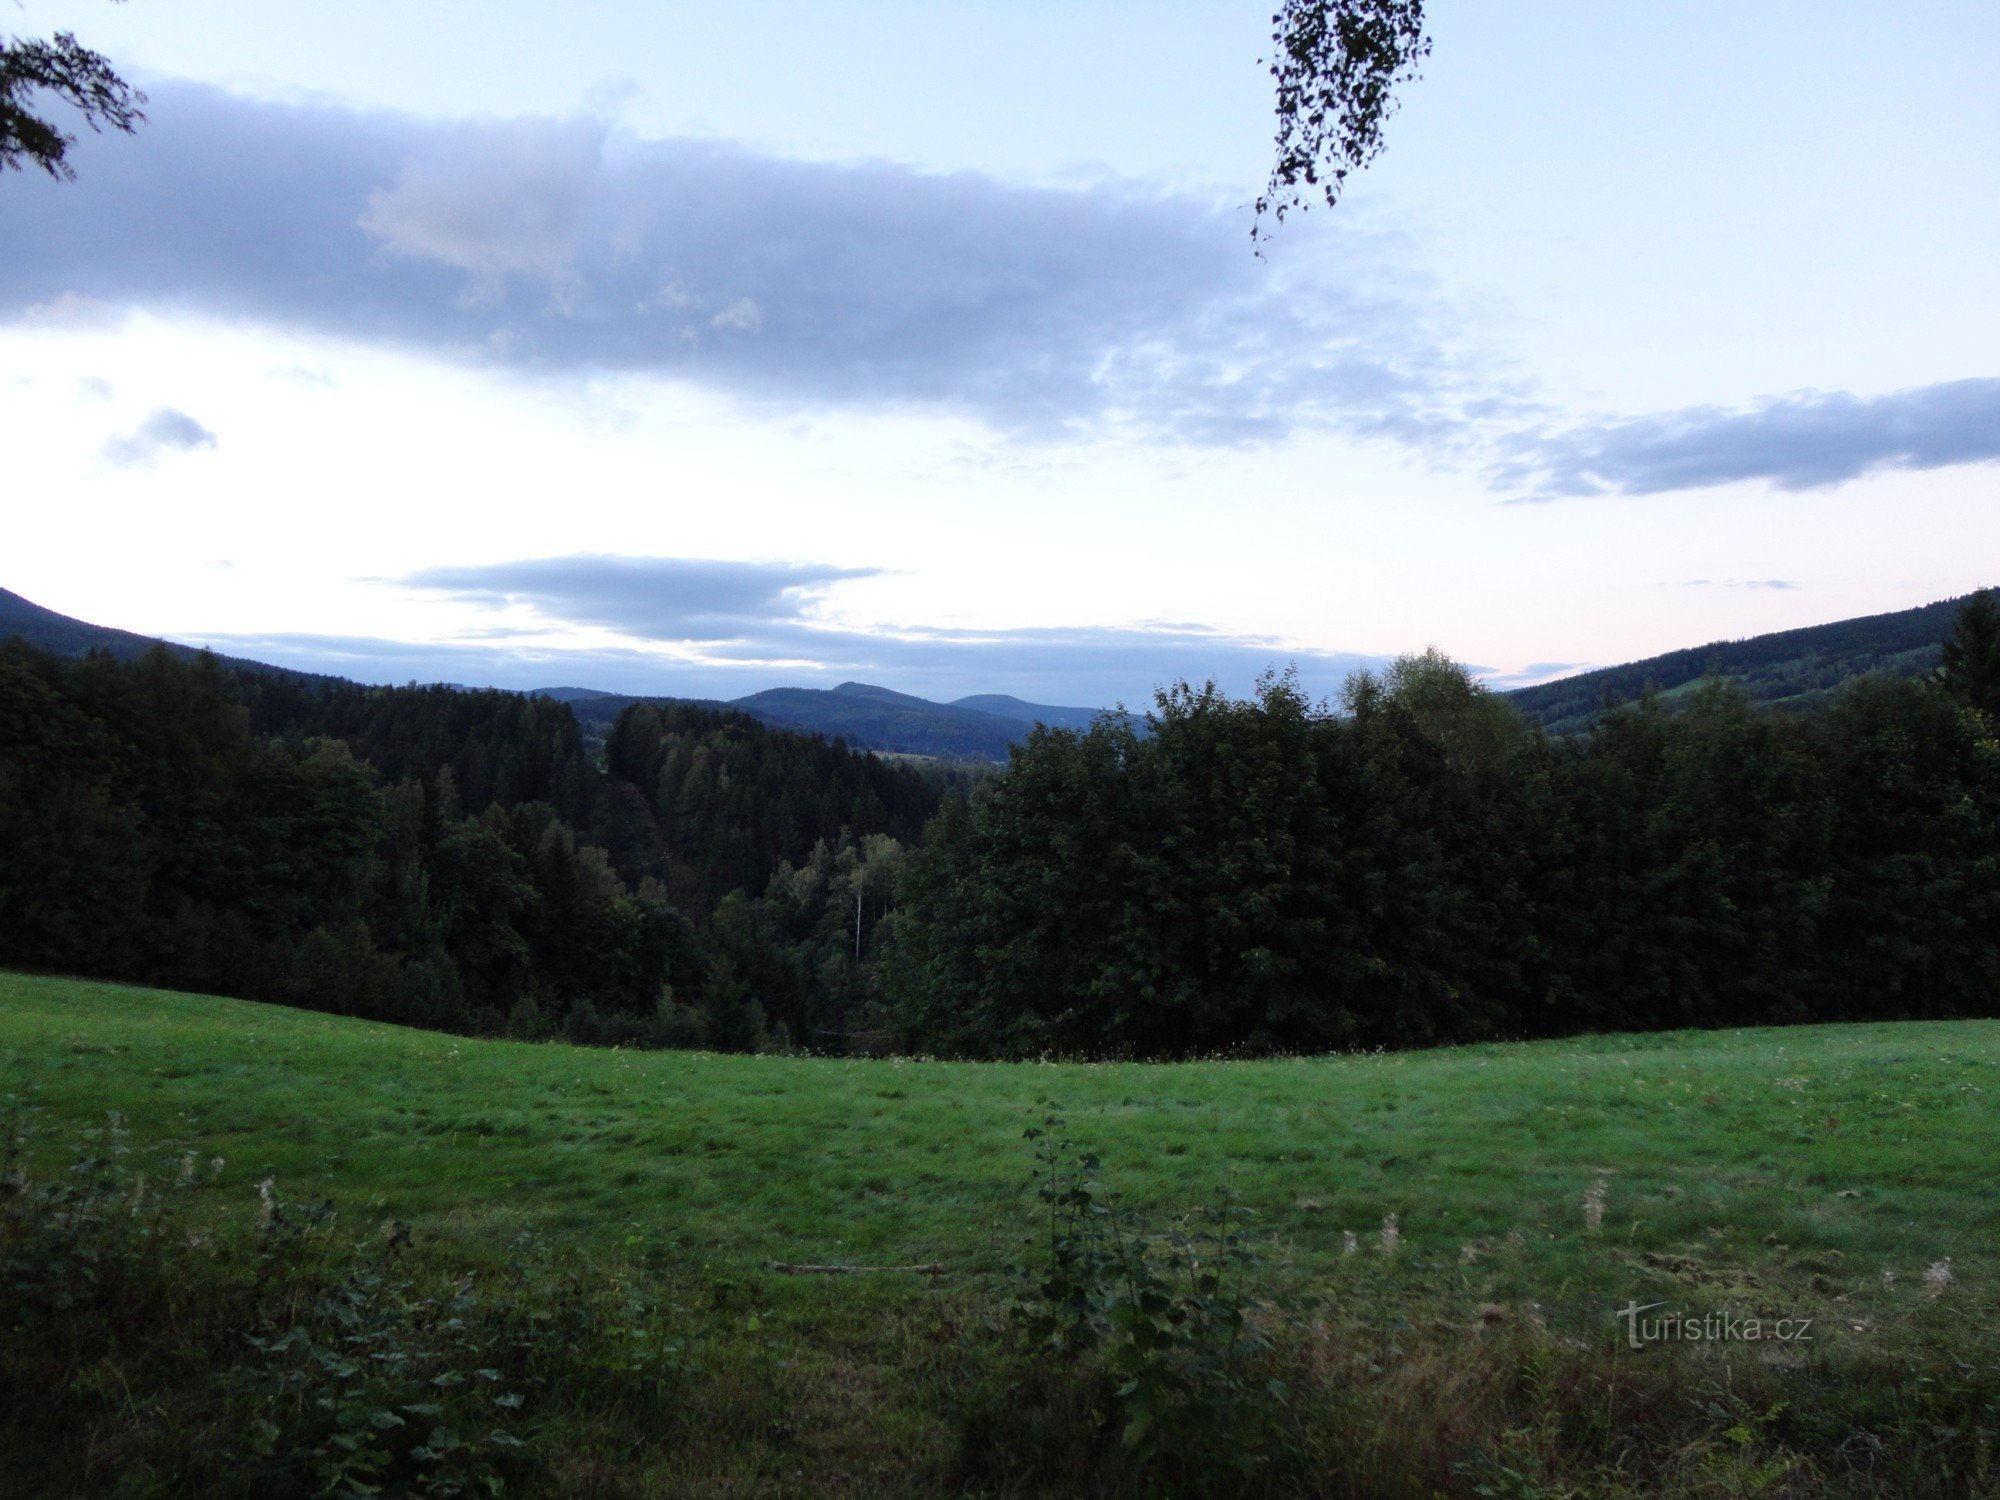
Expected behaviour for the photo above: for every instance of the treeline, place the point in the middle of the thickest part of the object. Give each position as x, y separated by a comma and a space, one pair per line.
1796, 669
1422, 867
1419, 866
440, 857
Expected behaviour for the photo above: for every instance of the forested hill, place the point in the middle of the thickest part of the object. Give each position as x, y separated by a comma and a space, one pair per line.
869, 715
1787, 669
60, 635
868, 718
442, 856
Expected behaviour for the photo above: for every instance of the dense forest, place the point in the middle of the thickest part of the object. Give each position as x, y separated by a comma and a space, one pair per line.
1789, 669
441, 857
1419, 865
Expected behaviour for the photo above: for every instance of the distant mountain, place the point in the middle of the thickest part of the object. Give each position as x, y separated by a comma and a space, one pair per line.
1003, 707
1786, 669
60, 635
882, 719
867, 717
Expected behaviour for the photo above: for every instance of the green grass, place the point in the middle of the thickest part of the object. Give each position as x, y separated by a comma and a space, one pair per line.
1782, 1168
749, 1159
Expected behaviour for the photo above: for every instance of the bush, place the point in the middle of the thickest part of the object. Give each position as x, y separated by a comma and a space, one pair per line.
158, 1338
1167, 1319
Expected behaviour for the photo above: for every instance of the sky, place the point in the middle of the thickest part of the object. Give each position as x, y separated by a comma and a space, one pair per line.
702, 349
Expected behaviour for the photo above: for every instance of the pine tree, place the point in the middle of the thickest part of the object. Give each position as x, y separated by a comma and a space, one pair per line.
1971, 670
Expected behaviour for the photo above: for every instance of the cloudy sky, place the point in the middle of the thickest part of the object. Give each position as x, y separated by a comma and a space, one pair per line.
707, 348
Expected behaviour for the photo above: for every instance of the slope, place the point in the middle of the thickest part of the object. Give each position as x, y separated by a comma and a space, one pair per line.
1786, 669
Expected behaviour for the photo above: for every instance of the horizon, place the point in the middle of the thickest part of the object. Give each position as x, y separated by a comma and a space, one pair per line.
1493, 682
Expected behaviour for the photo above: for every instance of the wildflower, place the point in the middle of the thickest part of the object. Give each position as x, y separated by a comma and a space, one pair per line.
1593, 1206
1391, 1235
1937, 1276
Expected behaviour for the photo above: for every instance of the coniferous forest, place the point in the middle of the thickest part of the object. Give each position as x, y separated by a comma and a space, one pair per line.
1415, 865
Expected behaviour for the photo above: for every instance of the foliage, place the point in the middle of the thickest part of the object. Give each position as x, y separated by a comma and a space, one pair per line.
441, 857
1800, 669
149, 1337
1273, 876
1970, 660
1337, 65
1230, 876
75, 76
1169, 1319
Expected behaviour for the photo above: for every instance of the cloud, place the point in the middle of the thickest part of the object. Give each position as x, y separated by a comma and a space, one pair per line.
560, 246
164, 431
71, 311
1740, 583
1086, 666
742, 313
694, 600
1807, 441
1533, 674
713, 629
497, 200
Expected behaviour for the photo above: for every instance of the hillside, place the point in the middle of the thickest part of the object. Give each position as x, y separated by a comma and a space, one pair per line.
1004, 706
868, 718
1808, 1172
819, 1159
1786, 669
61, 635
876, 716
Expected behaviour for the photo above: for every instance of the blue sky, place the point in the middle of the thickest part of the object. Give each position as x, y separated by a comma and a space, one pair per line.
702, 349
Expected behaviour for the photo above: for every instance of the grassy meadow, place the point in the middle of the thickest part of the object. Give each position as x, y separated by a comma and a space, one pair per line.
1535, 1188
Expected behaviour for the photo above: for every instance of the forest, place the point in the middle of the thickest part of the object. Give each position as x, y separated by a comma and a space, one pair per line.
1416, 865
441, 857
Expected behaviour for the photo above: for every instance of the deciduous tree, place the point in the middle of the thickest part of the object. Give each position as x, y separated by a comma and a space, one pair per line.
35, 73
1337, 64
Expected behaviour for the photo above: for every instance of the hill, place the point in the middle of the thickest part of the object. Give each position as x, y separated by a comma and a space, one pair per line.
867, 717
1808, 1172
881, 718
60, 635
1002, 706
1787, 669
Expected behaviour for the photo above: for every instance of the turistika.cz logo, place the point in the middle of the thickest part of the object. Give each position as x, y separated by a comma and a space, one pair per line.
1713, 1328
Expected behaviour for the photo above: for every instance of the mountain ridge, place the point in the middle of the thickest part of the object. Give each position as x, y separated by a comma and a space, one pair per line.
1784, 669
